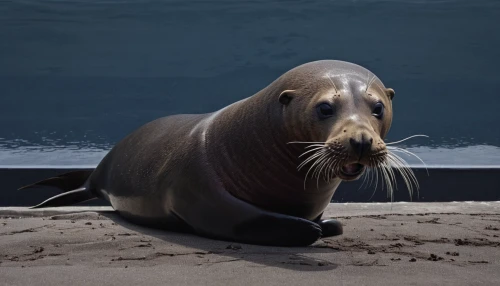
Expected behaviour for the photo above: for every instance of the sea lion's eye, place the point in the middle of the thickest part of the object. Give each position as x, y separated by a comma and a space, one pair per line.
378, 111
324, 110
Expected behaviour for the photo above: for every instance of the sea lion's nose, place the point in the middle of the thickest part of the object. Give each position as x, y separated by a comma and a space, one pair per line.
361, 144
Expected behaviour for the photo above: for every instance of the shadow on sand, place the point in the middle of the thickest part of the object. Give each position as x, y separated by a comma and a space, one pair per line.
294, 258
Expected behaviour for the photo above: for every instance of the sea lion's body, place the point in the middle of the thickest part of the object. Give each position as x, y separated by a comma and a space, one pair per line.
231, 174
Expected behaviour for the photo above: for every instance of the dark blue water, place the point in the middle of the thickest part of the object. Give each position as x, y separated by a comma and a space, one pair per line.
77, 76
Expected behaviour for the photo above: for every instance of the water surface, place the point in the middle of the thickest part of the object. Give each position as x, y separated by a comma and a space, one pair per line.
77, 76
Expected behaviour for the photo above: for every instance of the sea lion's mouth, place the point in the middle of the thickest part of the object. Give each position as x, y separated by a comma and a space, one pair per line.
351, 171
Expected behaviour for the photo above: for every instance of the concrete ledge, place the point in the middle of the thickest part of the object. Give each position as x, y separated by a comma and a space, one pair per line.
443, 184
414, 243
338, 210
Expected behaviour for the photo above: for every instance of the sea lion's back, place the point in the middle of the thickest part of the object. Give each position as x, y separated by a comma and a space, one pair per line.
132, 169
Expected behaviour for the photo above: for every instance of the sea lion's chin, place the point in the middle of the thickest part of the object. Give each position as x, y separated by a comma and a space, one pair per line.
351, 172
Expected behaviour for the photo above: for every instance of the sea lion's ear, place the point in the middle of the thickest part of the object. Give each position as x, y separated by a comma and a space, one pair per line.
286, 96
390, 93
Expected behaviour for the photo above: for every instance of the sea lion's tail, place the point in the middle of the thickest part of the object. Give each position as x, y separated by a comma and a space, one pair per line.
66, 182
73, 186
66, 199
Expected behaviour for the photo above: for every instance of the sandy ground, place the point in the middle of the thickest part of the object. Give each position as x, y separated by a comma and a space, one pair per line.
383, 244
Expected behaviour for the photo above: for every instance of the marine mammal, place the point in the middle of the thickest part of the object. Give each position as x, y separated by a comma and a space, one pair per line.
261, 170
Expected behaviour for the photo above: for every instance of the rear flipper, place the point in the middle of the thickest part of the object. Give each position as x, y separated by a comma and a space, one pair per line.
73, 185
67, 199
66, 182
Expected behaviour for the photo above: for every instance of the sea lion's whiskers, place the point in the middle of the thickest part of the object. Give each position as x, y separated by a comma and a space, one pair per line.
327, 169
395, 164
304, 142
338, 167
404, 167
372, 177
382, 178
393, 176
316, 154
333, 168
318, 174
319, 155
370, 172
376, 171
363, 176
311, 159
325, 161
323, 167
336, 90
405, 171
368, 177
387, 165
374, 168
312, 150
367, 81
392, 160
399, 149
319, 164
328, 166
387, 179
314, 145
370, 83
363, 182
313, 166
401, 163
402, 140
376, 176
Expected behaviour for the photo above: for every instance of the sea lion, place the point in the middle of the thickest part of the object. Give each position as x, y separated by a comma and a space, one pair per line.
260, 171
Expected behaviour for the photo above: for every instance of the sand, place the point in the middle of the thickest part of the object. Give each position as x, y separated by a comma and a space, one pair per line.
414, 243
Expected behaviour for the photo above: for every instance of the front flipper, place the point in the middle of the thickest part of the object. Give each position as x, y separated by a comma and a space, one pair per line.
329, 227
201, 201
217, 214
278, 230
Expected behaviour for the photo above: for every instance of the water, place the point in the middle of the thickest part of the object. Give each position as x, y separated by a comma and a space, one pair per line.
77, 76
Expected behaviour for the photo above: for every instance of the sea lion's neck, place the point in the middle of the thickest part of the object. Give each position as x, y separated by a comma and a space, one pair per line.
246, 144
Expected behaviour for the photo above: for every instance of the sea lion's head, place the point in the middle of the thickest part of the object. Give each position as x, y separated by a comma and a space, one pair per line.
340, 113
